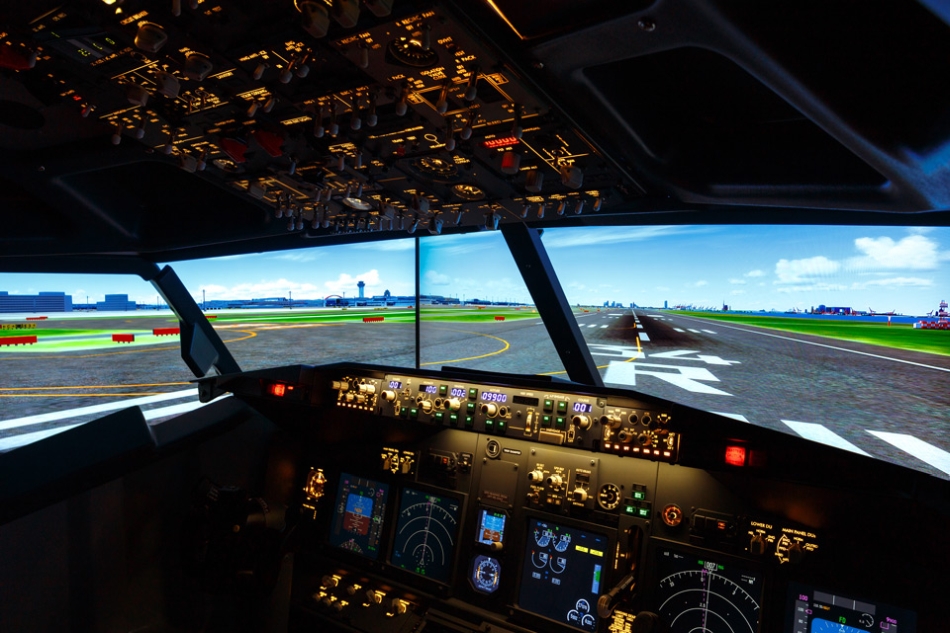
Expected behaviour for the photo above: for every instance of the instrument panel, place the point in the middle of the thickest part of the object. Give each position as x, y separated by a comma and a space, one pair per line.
461, 502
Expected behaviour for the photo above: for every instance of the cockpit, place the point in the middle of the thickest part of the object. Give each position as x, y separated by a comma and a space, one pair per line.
385, 315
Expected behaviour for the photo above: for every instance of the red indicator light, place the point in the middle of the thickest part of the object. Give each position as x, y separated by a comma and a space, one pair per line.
277, 389
500, 142
735, 455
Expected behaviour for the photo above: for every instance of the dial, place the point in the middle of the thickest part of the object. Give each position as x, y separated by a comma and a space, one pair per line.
563, 543
543, 536
468, 192
486, 574
609, 497
435, 167
409, 51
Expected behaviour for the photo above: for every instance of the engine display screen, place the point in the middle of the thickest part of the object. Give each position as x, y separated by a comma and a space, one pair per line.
358, 515
426, 532
562, 574
698, 593
491, 526
815, 611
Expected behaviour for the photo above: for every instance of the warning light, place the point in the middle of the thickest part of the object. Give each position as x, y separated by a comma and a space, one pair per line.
735, 455
277, 389
493, 143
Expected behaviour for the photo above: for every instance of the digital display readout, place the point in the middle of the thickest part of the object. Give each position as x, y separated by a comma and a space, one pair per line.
583, 407
395, 384
490, 396
531, 402
428, 389
491, 526
458, 392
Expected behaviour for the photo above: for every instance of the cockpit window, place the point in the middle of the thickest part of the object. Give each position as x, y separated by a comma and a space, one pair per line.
74, 348
351, 302
476, 310
839, 334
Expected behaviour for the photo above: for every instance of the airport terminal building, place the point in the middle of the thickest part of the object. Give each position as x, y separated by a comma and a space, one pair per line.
43, 302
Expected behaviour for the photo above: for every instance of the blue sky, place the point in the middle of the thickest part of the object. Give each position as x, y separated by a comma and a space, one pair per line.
746, 267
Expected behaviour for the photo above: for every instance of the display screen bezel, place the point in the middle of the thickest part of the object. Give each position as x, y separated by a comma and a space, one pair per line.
383, 545
452, 564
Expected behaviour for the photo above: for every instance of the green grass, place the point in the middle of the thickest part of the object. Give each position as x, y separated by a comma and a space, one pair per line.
41, 332
898, 336
397, 315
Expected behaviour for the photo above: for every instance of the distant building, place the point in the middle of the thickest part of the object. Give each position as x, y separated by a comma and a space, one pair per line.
116, 303
43, 302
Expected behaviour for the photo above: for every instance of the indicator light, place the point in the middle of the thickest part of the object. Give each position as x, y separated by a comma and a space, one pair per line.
500, 142
735, 455
277, 389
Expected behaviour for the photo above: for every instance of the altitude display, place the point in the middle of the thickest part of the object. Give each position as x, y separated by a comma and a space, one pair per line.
699, 594
814, 611
562, 574
358, 515
491, 526
425, 534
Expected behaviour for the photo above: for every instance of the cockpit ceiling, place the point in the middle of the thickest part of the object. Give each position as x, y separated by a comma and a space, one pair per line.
239, 126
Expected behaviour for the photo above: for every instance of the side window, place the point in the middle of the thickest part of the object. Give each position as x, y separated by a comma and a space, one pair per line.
74, 348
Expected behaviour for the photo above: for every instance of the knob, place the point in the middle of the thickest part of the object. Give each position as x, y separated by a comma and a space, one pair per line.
197, 66
330, 581
426, 406
389, 395
554, 481
581, 421
399, 606
350, 397
795, 553
611, 421
496, 546
645, 439
150, 37
453, 404
490, 409
757, 545
368, 389
352, 589
535, 476
375, 597
626, 436
580, 495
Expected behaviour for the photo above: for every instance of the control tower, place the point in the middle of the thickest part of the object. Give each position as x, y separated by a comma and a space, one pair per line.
361, 285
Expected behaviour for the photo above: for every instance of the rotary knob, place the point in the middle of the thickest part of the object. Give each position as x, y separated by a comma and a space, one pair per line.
453, 404
580, 495
535, 476
611, 421
426, 406
389, 395
490, 409
582, 421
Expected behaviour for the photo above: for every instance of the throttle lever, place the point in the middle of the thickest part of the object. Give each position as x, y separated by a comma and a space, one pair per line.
608, 602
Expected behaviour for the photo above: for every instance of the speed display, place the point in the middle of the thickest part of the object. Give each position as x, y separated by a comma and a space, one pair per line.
696, 593
426, 532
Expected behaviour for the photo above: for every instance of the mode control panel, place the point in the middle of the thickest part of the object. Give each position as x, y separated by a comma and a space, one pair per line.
621, 426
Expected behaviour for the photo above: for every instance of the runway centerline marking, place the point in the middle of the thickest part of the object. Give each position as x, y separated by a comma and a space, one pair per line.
834, 347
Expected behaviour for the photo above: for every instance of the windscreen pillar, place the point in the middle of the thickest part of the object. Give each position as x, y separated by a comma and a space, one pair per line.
201, 347
545, 288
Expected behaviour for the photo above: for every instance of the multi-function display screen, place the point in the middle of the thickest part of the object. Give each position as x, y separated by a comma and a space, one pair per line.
562, 574
426, 532
491, 526
358, 515
815, 611
699, 593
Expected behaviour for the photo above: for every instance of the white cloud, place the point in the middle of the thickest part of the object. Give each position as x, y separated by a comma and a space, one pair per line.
755, 273
401, 244
437, 279
566, 238
817, 287
700, 284
663, 288
799, 270
737, 282
898, 282
347, 283
737, 292
261, 289
915, 252
302, 256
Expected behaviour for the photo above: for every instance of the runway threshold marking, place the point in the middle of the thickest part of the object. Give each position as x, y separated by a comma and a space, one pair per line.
928, 453
823, 435
834, 347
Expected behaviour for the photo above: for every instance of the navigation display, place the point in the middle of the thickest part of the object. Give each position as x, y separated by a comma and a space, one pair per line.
562, 574
815, 611
426, 532
696, 593
358, 515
